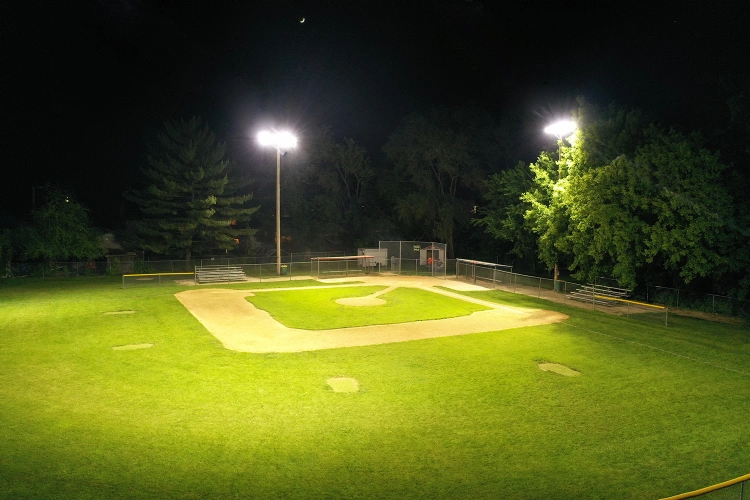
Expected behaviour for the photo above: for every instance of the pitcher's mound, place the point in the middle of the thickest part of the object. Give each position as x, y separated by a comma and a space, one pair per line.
343, 384
559, 369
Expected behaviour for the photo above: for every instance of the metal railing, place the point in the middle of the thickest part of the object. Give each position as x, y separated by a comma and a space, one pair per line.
735, 489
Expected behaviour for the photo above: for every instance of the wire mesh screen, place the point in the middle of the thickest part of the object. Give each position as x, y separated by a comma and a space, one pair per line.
698, 301
338, 267
416, 258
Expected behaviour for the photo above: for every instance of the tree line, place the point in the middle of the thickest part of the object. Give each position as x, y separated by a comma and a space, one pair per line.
624, 197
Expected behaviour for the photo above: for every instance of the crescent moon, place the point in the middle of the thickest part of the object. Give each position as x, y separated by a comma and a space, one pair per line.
302, 20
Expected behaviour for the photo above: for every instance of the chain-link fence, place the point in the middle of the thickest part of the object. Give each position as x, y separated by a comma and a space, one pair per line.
418, 267
116, 267
696, 301
416, 258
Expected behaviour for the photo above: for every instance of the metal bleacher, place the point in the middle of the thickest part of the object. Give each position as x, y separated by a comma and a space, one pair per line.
600, 295
219, 274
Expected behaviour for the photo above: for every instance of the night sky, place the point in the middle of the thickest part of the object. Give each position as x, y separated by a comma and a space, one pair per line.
85, 83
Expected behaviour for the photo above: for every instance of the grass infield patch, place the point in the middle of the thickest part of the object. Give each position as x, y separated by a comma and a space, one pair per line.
318, 310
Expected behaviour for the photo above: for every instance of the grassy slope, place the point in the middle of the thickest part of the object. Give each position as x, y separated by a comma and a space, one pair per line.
455, 417
321, 311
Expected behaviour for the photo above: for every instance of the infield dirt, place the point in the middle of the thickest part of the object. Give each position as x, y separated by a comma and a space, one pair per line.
240, 326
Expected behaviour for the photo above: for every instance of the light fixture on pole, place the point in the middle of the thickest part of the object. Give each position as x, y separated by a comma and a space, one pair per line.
560, 129
281, 142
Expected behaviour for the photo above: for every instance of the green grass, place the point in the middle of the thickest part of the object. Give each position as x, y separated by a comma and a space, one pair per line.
321, 312
656, 411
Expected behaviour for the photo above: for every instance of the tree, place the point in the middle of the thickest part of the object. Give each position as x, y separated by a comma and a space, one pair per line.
60, 231
504, 214
619, 202
330, 193
438, 163
188, 203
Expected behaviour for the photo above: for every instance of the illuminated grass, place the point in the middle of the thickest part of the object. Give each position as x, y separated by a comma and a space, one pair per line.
318, 310
454, 417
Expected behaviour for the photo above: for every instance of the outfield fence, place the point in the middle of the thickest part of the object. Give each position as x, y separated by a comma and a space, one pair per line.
704, 302
416, 259
734, 489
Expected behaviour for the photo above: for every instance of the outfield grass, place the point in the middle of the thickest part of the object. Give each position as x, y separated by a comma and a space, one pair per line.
318, 310
656, 410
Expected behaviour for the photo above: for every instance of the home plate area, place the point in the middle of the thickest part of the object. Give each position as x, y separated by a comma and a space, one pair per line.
240, 326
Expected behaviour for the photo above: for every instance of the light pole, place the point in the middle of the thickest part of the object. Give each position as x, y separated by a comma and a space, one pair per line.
281, 142
560, 129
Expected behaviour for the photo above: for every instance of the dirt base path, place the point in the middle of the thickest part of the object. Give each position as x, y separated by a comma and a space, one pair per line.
240, 326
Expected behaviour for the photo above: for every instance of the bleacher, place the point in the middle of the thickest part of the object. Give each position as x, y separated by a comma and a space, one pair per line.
219, 274
599, 295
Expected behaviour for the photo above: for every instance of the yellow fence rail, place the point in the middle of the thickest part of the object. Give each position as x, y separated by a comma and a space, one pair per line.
710, 489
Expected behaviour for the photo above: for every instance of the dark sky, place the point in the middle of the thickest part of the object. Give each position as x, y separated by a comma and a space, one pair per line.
84, 83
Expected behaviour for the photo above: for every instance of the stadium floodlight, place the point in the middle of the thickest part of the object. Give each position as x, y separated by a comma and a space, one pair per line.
561, 129
281, 142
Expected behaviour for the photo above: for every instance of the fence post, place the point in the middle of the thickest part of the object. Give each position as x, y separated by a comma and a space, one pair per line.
678, 298
540, 289
123, 281
713, 303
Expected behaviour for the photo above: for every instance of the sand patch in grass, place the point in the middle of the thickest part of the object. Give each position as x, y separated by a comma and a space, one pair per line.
343, 384
132, 347
559, 369
127, 311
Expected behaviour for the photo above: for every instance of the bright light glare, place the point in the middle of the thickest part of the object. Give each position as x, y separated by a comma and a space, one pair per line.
279, 140
265, 138
561, 128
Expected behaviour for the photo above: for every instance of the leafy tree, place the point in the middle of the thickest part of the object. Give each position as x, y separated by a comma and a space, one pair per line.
329, 192
619, 201
438, 163
731, 136
504, 215
191, 202
60, 231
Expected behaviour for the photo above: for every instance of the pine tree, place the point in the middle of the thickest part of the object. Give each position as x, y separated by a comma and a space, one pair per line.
188, 203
